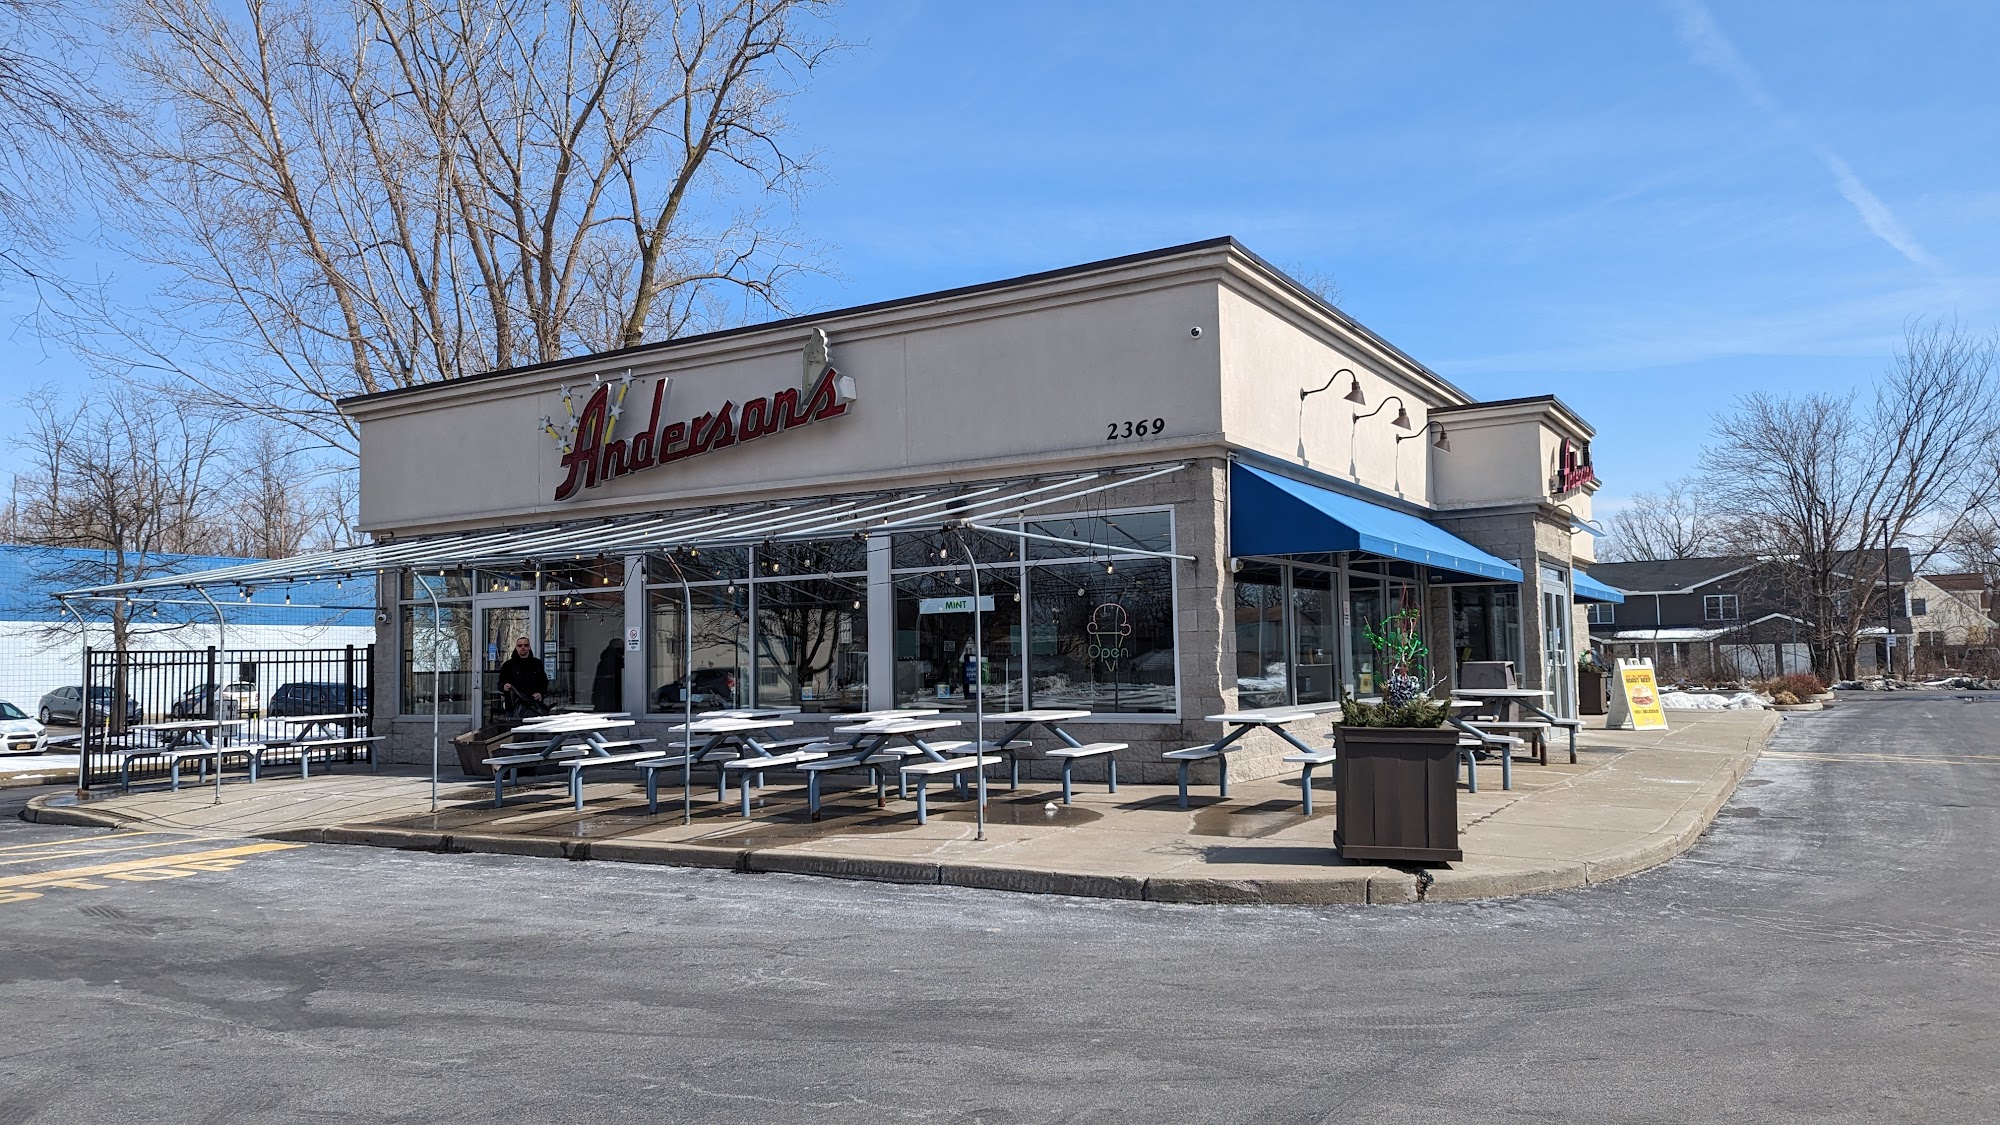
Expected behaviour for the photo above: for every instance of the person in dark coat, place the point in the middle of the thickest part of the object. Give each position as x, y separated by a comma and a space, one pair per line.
523, 681
605, 687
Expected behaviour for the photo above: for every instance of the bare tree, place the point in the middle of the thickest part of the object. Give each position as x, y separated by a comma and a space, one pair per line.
273, 512
1824, 485
52, 123
1972, 545
1673, 523
125, 481
372, 194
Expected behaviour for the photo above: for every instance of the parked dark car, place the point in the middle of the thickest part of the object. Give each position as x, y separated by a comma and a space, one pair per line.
713, 688
65, 705
314, 698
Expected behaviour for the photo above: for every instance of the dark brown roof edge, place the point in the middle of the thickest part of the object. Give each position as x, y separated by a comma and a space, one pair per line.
1523, 400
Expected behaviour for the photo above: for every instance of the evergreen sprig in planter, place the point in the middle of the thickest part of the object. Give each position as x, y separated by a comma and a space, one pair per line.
1397, 775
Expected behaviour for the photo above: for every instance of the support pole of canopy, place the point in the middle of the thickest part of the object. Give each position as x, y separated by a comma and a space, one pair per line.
215, 689
221, 623
83, 708
437, 677
687, 689
978, 686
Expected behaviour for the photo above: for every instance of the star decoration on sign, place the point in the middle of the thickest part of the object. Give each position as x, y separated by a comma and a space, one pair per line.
564, 432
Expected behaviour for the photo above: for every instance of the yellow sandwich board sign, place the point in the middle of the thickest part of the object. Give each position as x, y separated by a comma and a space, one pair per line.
1635, 698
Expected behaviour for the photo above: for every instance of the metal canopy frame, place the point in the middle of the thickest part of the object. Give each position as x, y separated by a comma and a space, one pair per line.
968, 508
974, 506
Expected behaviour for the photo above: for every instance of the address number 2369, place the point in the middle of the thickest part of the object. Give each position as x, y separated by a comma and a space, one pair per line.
1136, 428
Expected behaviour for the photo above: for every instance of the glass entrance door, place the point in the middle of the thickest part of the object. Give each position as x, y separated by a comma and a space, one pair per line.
1557, 668
500, 625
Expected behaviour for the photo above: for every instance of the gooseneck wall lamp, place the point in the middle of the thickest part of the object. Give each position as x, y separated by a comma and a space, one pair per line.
1402, 421
1353, 394
1442, 443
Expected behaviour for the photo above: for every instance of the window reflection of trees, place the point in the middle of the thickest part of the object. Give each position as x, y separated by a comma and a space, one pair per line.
812, 633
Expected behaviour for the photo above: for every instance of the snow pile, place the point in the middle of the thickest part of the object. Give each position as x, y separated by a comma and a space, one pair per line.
1689, 701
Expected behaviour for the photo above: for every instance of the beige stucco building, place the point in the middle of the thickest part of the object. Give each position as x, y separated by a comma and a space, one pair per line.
1225, 480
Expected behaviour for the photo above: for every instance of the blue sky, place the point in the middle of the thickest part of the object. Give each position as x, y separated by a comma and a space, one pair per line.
1644, 207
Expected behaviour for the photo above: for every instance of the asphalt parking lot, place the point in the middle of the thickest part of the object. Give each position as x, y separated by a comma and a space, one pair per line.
1829, 953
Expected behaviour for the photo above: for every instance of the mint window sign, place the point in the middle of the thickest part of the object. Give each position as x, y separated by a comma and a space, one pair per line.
953, 605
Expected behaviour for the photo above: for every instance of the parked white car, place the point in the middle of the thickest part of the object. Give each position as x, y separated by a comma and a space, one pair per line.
19, 733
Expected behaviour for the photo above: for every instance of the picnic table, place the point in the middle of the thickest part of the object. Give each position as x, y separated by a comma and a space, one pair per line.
1068, 753
184, 739
725, 735
874, 745
1535, 730
1274, 719
316, 733
546, 740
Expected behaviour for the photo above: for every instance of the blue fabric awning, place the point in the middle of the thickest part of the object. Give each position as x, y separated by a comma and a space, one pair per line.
1274, 515
1589, 589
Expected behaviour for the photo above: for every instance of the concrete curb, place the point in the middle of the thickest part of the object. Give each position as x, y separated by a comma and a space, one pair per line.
1490, 878
48, 810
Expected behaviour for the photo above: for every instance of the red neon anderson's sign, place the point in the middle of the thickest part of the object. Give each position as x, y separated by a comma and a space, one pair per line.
591, 455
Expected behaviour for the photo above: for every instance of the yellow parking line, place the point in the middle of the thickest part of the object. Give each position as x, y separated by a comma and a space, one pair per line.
169, 842
74, 873
73, 843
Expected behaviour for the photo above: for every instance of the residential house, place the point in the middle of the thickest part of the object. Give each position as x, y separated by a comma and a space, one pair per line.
1955, 626
1729, 617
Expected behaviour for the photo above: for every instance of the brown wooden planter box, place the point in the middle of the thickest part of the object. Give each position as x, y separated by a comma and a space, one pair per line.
475, 746
1398, 794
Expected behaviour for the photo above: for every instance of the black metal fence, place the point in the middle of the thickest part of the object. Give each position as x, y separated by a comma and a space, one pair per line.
124, 691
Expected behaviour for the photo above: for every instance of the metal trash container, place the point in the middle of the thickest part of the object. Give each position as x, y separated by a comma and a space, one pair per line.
1592, 691
1397, 794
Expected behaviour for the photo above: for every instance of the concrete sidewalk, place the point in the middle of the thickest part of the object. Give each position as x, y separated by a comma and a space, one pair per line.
1633, 800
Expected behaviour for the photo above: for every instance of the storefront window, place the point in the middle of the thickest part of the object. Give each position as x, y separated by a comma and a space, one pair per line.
591, 573
507, 581
1366, 602
1101, 636
423, 587
1316, 632
437, 658
1091, 626
1260, 637
948, 548
583, 648
812, 644
818, 556
721, 648
934, 635
1374, 601
1143, 531
1486, 623
710, 564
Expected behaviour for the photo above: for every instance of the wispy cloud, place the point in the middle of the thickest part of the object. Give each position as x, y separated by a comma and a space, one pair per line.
1712, 49
1650, 336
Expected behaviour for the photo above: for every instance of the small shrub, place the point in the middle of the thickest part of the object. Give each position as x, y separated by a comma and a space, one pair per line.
1423, 711
1784, 698
1801, 684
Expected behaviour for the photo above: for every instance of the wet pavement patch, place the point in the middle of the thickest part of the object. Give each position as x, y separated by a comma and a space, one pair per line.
1250, 821
1031, 811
